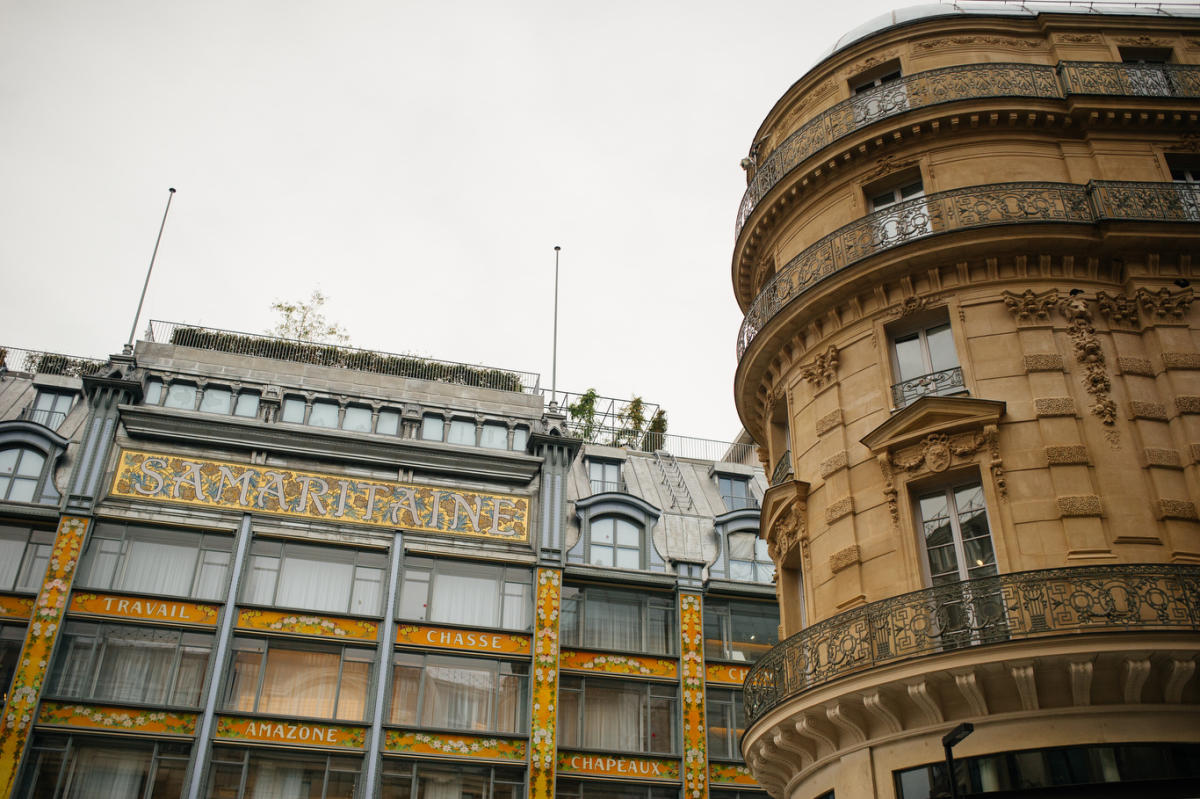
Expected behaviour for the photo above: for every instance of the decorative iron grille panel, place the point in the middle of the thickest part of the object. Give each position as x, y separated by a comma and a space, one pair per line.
1138, 80
971, 613
947, 381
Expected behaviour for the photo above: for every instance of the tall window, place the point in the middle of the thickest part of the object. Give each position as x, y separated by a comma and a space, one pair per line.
954, 526
404, 779
248, 774
50, 408
617, 715
726, 717
12, 637
127, 663
1185, 172
748, 558
462, 431
458, 693
78, 767
21, 474
615, 542
735, 491
152, 560
925, 363
737, 630
282, 678
605, 476
631, 621
331, 579
895, 219
24, 554
467, 593
878, 93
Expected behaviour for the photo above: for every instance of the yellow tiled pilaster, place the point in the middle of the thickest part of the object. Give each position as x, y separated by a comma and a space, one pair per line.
695, 733
35, 653
543, 739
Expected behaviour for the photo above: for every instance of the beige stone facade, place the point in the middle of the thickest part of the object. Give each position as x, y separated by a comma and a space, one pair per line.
970, 354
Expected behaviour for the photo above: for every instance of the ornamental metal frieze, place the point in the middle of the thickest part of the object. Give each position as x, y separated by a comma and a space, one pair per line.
1138, 80
986, 611
964, 209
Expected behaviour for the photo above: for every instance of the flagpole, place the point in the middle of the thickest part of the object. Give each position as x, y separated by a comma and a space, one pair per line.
153, 255
554, 357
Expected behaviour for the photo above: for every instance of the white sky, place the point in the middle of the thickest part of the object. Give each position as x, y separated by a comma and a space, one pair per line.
417, 162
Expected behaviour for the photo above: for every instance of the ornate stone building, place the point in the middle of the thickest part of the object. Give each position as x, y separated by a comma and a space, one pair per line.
236, 567
971, 355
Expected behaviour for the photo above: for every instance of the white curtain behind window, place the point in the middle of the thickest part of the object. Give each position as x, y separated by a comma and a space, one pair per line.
158, 567
314, 584
612, 624
612, 719
277, 781
465, 599
299, 683
136, 666
458, 698
107, 774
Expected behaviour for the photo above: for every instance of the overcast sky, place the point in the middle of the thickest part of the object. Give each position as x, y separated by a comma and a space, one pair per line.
417, 162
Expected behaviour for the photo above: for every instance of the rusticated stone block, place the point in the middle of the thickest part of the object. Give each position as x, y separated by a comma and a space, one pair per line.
1054, 406
1135, 366
1044, 362
831, 465
1079, 505
828, 422
1188, 404
843, 507
1177, 509
1181, 360
1147, 410
1065, 455
844, 558
1162, 457
1195, 449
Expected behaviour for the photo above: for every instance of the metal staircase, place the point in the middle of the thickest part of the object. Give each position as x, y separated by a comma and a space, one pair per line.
672, 478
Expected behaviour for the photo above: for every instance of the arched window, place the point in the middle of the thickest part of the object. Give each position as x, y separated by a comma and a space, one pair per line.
20, 473
748, 558
615, 542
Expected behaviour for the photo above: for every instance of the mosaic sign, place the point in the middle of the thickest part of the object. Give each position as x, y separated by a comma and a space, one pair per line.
420, 743
637, 768
726, 673
131, 607
117, 719
300, 624
317, 495
730, 774
16, 607
425, 637
295, 733
633, 665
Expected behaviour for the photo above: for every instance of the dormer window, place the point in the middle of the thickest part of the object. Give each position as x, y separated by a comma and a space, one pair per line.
604, 476
21, 471
615, 543
735, 492
50, 407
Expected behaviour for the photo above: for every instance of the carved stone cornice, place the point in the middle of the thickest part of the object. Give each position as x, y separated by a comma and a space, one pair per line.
822, 369
1030, 307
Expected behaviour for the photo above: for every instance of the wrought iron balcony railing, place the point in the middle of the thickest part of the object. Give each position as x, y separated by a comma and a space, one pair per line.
740, 503
990, 610
783, 468
963, 82
962, 209
37, 362
947, 381
46, 418
603, 486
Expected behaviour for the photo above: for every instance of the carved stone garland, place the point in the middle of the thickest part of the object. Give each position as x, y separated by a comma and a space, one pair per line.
936, 453
1091, 356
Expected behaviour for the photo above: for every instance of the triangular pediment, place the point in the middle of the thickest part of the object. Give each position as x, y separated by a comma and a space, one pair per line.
928, 415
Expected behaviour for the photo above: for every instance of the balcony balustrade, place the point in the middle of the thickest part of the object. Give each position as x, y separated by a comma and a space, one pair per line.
963, 209
783, 468
963, 82
947, 381
46, 418
974, 613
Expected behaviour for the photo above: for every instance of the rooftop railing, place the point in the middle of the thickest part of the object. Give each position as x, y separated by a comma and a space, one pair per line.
973, 613
342, 357
963, 82
963, 209
39, 362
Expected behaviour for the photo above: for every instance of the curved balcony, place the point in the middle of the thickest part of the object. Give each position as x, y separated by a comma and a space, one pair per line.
990, 610
963, 209
963, 82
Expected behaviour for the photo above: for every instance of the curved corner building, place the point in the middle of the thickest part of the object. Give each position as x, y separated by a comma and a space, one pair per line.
971, 355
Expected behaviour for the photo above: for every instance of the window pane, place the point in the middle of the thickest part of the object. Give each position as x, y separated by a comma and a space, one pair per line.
136, 665
315, 578
462, 431
158, 562
181, 395
352, 697
603, 531
323, 414
431, 427
247, 404
629, 558
12, 551
243, 683
357, 419
153, 391
520, 438
293, 410
299, 683
406, 688
388, 423
494, 436
458, 696
910, 361
941, 348
466, 594
216, 400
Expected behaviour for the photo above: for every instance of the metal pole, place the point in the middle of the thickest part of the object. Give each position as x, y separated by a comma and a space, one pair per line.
554, 357
950, 772
153, 255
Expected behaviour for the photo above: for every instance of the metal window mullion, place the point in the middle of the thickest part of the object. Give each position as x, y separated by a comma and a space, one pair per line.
960, 551
265, 658
173, 676
337, 691
99, 652
147, 792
